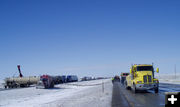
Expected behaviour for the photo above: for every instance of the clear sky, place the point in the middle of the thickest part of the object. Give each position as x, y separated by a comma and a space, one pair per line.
88, 37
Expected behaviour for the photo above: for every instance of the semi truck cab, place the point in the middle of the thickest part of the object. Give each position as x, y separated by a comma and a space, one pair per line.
45, 81
142, 78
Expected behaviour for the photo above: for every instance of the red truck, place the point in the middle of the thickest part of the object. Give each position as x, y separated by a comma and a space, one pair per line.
46, 81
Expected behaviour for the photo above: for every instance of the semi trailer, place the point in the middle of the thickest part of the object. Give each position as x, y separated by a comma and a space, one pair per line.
15, 82
21, 81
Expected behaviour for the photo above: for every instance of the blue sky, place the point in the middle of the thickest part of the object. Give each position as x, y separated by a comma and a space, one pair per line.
88, 37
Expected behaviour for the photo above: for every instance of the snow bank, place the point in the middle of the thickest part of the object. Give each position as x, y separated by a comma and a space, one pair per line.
77, 94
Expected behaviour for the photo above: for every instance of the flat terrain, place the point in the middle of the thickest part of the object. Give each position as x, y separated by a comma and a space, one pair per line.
76, 94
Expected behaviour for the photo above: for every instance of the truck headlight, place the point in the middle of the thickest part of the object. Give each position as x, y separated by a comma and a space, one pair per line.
138, 82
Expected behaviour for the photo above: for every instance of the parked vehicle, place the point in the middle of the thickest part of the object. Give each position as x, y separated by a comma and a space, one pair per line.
63, 79
142, 78
21, 81
15, 82
72, 78
57, 79
123, 77
87, 78
46, 81
116, 79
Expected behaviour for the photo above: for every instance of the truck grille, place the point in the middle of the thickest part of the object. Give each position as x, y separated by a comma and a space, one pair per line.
147, 78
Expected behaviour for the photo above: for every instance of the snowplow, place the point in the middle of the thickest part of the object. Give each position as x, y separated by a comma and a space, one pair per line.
141, 77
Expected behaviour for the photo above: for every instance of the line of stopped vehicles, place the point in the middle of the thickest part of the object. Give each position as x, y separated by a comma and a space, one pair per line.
140, 78
43, 81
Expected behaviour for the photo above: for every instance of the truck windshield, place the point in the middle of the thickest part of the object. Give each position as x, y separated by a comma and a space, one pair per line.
145, 68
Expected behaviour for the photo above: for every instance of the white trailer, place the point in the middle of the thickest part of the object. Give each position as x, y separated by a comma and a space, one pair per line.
15, 82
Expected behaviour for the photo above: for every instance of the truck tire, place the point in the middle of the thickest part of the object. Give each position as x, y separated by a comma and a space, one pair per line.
125, 84
156, 90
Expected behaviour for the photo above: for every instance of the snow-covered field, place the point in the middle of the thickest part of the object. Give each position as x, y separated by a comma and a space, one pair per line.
169, 78
1, 84
77, 94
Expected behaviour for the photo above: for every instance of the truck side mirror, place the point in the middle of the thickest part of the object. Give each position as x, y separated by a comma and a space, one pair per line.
130, 71
157, 70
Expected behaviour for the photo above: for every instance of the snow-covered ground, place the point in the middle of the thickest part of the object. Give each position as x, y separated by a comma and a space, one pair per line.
77, 94
1, 84
169, 78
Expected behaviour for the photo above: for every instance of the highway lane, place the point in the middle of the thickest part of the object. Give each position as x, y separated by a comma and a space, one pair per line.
144, 99
122, 96
118, 99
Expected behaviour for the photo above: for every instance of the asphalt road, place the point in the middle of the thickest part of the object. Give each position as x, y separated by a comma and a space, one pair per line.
118, 99
126, 98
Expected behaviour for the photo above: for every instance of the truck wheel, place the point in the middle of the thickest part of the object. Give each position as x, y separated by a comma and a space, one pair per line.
125, 84
156, 90
134, 88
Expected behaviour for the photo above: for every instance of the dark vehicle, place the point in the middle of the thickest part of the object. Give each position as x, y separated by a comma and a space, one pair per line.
72, 78
57, 79
116, 79
87, 78
63, 79
123, 77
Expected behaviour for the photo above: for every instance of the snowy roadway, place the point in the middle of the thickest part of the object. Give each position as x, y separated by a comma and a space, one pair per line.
76, 94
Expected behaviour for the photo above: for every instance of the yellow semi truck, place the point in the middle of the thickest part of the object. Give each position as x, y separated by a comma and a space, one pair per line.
142, 78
